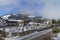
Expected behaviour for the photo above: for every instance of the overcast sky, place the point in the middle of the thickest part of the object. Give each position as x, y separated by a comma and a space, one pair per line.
45, 8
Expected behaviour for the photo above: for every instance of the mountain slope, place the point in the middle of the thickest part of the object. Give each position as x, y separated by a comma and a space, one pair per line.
18, 16
5, 16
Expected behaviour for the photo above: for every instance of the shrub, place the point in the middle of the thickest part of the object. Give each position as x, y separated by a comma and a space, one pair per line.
55, 30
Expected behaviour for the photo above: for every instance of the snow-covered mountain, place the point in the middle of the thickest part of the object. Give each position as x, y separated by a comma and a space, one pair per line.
14, 16
5, 16
19, 16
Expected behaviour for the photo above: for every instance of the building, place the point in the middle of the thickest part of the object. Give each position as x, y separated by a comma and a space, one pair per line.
2, 22
13, 22
48, 21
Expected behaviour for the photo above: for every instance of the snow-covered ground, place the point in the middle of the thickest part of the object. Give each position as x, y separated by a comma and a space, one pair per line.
11, 30
13, 38
21, 29
30, 36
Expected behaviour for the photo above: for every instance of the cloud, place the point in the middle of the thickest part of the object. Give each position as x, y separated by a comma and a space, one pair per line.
46, 8
8, 2
31, 6
8, 6
27, 6
51, 9
27, 12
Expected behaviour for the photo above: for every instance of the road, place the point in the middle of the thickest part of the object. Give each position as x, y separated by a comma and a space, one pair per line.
35, 34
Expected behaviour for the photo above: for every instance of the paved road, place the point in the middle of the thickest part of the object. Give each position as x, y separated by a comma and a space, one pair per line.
35, 34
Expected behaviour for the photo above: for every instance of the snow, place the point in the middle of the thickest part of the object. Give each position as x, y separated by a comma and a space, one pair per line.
31, 23
31, 16
15, 29
15, 20
5, 16
23, 28
13, 38
58, 36
32, 35
11, 30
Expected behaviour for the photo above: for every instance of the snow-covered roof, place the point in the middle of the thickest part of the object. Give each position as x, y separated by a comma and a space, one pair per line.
31, 23
31, 16
15, 20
